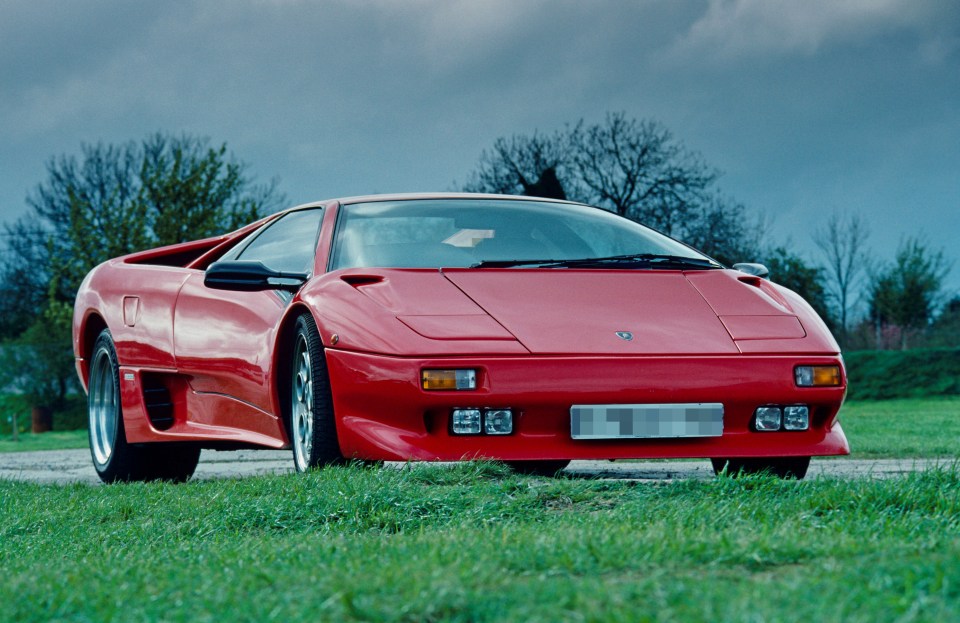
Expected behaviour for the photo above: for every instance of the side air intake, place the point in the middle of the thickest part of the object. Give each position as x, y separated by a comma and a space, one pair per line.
156, 399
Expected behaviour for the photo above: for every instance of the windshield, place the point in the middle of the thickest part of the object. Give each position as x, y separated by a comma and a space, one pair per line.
459, 233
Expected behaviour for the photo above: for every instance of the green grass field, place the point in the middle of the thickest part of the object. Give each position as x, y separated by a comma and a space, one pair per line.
475, 543
54, 440
903, 428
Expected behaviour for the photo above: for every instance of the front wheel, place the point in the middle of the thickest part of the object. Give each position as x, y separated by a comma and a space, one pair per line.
783, 467
313, 429
114, 459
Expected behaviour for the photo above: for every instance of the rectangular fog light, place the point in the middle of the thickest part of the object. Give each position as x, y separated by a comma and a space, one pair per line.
767, 418
796, 417
817, 376
466, 422
448, 379
498, 421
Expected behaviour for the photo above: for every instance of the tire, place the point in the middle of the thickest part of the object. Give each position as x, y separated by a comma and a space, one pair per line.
313, 431
537, 468
784, 467
114, 459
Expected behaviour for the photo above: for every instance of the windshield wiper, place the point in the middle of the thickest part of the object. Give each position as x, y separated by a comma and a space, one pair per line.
636, 260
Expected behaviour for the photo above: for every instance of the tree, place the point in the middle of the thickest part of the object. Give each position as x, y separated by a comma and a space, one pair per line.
120, 199
536, 166
191, 190
842, 240
634, 168
39, 365
945, 330
638, 170
724, 230
907, 293
791, 271
21, 274
114, 200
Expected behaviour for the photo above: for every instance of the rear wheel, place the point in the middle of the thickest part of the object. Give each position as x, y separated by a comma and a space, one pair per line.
784, 467
313, 429
113, 458
537, 468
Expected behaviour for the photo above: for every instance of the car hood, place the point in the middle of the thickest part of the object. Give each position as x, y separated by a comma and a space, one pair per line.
598, 312
568, 312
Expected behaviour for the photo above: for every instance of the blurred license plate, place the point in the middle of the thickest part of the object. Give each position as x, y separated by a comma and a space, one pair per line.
646, 421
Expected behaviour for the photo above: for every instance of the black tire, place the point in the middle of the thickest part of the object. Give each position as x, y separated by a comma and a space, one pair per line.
313, 430
114, 459
169, 461
784, 467
537, 468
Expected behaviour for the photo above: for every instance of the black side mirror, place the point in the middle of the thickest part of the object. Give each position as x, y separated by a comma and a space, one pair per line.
756, 270
247, 276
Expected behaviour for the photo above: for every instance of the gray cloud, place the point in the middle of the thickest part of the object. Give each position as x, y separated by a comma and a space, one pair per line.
731, 29
807, 107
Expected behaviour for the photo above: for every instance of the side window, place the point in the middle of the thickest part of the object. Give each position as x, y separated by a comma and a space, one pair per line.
288, 244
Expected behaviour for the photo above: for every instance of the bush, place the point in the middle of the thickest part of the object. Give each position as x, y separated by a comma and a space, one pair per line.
883, 374
73, 415
10, 404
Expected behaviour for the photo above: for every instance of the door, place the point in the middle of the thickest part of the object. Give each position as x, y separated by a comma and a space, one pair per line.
224, 339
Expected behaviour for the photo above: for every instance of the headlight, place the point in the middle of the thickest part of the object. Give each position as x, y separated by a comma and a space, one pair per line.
767, 418
796, 417
466, 422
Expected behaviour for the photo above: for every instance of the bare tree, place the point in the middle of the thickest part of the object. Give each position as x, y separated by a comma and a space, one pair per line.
534, 165
807, 280
842, 240
637, 169
723, 229
634, 168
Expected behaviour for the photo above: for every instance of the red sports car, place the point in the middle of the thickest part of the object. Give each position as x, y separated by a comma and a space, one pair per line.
449, 327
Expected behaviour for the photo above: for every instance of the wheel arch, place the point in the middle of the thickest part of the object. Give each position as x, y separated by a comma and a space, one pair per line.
282, 359
91, 328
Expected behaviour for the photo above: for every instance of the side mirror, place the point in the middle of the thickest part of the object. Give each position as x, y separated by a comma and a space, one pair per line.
755, 270
247, 276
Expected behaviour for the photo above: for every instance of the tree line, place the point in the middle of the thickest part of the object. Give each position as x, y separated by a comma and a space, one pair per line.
639, 170
165, 189
113, 200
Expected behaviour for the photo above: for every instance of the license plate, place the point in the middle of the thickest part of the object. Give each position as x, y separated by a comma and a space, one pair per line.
646, 421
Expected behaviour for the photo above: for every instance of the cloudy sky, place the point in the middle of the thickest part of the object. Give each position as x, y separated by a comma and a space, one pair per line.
808, 106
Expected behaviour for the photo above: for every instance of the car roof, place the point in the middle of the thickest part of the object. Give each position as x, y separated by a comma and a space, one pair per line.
425, 196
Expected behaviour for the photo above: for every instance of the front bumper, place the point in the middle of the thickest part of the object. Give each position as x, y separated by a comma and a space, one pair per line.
383, 414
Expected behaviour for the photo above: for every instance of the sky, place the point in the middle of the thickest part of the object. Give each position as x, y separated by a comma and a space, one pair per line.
808, 108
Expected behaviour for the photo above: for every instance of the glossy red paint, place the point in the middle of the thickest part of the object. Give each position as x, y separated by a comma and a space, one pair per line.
542, 340
383, 414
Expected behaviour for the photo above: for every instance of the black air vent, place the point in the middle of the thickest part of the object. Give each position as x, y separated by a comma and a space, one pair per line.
156, 398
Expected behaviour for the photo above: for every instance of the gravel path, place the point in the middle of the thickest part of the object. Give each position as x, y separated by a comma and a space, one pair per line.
73, 466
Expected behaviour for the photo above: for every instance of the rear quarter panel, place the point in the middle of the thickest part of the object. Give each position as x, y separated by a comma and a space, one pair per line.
135, 302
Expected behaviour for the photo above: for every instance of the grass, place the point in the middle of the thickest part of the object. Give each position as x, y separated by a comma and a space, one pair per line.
54, 440
475, 543
903, 428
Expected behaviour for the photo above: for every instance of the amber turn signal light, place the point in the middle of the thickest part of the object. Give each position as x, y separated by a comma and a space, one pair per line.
448, 379
817, 376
